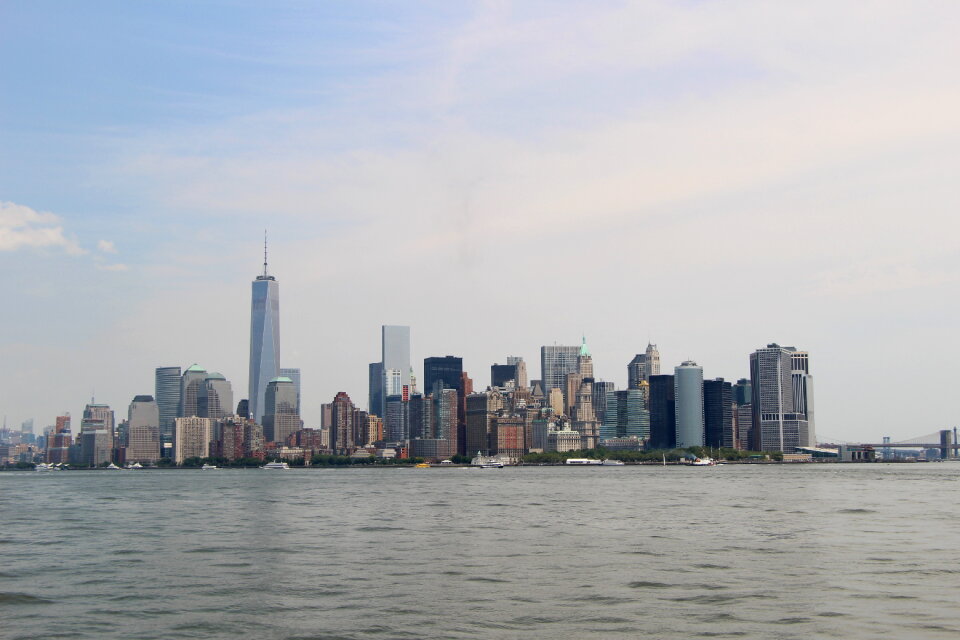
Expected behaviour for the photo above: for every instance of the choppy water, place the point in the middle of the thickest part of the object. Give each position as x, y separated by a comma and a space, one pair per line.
844, 551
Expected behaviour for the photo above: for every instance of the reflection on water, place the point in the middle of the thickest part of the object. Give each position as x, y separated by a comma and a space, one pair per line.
844, 551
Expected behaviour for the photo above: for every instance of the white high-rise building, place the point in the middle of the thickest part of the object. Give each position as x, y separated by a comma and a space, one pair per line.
652, 361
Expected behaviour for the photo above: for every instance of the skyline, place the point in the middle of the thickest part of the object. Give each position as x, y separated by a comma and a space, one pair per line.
495, 176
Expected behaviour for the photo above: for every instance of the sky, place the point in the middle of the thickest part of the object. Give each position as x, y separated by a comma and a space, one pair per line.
708, 176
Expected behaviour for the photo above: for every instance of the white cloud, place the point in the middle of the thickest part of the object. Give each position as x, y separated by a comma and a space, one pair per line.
106, 246
22, 227
113, 267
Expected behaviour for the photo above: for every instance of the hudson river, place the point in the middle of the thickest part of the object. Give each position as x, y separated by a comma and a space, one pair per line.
814, 551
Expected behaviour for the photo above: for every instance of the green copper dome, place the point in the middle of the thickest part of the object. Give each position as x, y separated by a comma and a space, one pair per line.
196, 368
584, 351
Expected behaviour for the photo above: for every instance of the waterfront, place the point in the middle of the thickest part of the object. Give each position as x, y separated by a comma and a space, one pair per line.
756, 551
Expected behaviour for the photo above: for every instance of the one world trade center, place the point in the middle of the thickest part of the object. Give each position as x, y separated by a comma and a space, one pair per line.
264, 338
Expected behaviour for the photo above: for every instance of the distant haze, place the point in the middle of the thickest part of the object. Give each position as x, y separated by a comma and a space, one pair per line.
710, 177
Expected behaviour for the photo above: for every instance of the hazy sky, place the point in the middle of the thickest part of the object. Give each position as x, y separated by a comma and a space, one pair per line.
710, 176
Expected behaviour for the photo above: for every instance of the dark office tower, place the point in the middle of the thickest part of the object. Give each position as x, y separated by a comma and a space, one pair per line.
600, 391
375, 386
243, 408
294, 374
341, 429
718, 422
264, 338
781, 385
742, 393
481, 408
395, 356
637, 371
466, 388
420, 416
521, 366
501, 374
745, 426
663, 420
555, 363
167, 393
446, 369
281, 418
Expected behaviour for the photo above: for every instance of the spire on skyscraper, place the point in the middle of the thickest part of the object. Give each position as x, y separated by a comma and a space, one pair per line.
264, 253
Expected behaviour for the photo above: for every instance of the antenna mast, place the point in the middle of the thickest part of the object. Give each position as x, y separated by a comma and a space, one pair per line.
264, 253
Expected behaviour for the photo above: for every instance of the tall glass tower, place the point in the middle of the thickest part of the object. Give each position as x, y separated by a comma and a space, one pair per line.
264, 338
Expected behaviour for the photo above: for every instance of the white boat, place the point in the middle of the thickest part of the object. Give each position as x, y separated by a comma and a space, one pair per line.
485, 462
583, 461
113, 467
205, 467
45, 466
276, 465
613, 463
135, 465
703, 462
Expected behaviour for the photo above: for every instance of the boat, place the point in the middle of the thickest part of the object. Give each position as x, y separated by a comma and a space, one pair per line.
484, 462
613, 463
584, 461
113, 467
703, 462
206, 467
276, 465
45, 466
422, 465
135, 465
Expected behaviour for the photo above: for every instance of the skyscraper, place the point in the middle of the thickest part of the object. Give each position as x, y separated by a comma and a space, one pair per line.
167, 392
143, 431
718, 420
555, 363
217, 400
193, 391
781, 387
663, 412
688, 382
191, 438
627, 415
517, 361
96, 417
395, 355
342, 427
294, 374
652, 361
264, 338
501, 374
375, 398
445, 369
280, 404
636, 371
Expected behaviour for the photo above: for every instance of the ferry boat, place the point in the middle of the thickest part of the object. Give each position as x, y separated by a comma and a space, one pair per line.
46, 466
207, 467
113, 467
703, 462
135, 465
484, 462
276, 465
583, 461
613, 463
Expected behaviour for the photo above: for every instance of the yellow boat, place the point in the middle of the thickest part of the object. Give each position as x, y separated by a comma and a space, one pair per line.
421, 465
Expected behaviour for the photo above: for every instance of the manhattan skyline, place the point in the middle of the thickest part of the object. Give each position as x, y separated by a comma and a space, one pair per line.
496, 177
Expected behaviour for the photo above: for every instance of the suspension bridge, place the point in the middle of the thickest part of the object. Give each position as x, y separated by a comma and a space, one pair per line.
944, 439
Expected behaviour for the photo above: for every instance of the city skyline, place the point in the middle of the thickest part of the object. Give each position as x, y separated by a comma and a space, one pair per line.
463, 171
